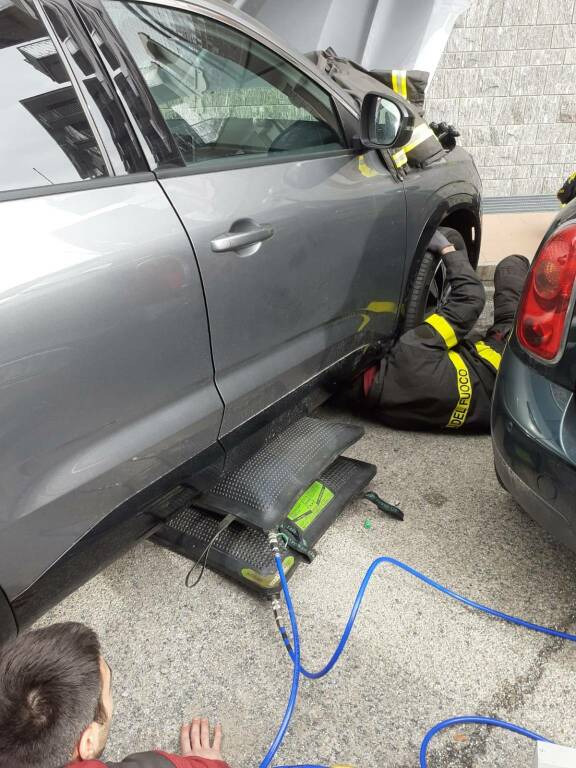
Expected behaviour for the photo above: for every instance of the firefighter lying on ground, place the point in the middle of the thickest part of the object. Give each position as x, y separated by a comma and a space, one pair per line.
435, 376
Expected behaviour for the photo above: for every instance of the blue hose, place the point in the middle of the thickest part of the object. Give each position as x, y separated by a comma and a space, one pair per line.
300, 670
454, 595
473, 719
295, 674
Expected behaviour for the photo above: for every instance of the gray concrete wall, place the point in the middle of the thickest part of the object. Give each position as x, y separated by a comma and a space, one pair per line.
507, 81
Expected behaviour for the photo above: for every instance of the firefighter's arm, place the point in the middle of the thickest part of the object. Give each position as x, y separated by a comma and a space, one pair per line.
465, 303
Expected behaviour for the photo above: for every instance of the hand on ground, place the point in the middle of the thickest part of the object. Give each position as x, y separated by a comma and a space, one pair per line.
195, 740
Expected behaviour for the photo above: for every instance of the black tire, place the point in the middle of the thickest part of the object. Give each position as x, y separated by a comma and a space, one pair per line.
429, 289
418, 302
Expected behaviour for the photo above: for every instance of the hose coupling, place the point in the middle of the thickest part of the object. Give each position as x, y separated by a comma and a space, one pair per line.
276, 605
273, 541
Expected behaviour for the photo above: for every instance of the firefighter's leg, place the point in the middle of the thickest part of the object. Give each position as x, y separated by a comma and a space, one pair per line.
509, 280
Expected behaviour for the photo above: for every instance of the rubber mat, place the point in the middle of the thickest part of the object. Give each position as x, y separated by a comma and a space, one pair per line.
261, 490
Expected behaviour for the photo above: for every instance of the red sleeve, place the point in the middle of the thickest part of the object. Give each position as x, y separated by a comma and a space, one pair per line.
192, 762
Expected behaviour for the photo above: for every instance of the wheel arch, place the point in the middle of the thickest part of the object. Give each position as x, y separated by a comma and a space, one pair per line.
461, 211
467, 223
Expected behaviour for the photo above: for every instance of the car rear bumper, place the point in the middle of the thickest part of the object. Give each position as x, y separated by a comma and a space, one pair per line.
541, 510
534, 441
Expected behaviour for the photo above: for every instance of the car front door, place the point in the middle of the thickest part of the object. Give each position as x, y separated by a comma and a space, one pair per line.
300, 241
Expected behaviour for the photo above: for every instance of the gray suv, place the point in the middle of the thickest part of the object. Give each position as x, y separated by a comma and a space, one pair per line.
203, 237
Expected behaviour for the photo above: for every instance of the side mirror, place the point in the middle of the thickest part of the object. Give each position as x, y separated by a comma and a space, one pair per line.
384, 122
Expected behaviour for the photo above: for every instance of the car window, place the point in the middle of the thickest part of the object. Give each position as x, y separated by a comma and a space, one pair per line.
45, 137
222, 94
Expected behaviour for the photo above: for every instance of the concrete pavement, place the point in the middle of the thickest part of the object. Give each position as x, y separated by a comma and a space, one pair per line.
414, 658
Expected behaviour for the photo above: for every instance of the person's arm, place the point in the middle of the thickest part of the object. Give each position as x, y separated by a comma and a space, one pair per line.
189, 761
196, 748
464, 305
159, 759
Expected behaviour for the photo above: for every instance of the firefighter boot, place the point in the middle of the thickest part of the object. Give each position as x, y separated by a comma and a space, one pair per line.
509, 280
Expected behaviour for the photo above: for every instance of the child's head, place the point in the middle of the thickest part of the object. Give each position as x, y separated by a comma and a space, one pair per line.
55, 698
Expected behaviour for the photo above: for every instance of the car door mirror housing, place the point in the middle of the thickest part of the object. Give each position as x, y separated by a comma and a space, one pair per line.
385, 123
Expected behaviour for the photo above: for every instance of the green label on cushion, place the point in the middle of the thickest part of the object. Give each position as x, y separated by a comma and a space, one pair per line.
310, 504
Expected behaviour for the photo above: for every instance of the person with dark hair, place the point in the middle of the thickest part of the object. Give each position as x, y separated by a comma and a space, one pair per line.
56, 707
436, 375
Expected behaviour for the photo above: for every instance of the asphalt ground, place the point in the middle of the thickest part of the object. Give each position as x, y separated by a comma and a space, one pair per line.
414, 658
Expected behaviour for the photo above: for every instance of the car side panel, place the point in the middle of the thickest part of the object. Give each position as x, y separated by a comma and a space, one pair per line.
106, 377
327, 284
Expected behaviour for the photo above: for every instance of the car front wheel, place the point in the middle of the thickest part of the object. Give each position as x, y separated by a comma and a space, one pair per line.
430, 289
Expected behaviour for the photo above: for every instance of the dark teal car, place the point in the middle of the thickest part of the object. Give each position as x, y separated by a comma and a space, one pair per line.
534, 406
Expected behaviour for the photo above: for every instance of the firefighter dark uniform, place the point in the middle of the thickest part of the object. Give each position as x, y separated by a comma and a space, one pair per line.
567, 191
435, 376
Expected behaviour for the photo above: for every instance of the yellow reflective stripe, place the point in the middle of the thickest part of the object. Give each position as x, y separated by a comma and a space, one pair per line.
403, 84
419, 134
489, 354
464, 391
443, 327
399, 158
399, 83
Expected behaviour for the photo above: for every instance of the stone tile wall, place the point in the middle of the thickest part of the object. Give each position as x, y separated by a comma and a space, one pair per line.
507, 81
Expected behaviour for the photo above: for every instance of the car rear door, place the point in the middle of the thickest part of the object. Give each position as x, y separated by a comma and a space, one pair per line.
106, 378
299, 240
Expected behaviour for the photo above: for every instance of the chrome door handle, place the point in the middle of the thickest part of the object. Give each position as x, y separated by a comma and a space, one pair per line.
236, 240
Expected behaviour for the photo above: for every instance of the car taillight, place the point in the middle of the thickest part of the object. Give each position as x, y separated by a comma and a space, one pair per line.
543, 313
